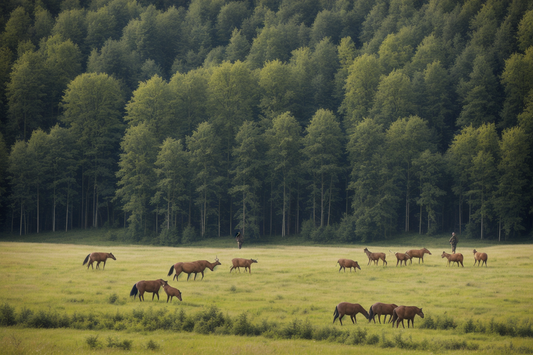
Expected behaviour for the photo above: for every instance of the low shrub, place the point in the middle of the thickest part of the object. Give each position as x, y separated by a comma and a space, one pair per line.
152, 345
116, 343
7, 315
92, 342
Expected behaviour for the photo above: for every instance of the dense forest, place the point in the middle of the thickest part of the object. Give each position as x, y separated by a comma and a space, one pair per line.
340, 120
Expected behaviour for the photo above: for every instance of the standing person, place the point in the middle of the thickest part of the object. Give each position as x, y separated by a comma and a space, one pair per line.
239, 238
453, 242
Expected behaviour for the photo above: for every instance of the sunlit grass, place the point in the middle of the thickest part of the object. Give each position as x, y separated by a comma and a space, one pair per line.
288, 283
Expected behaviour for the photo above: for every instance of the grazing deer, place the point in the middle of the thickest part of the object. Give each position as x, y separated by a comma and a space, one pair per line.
417, 253
458, 258
401, 257
171, 291
375, 257
146, 286
350, 309
98, 257
406, 312
480, 257
206, 264
347, 263
188, 268
245, 263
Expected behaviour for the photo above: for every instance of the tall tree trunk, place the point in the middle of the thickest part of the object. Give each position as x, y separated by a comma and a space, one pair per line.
321, 200
329, 202
38, 210
66, 210
243, 214
54, 212
21, 212
283, 211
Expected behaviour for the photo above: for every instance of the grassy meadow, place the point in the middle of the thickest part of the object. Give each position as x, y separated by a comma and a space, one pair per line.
290, 286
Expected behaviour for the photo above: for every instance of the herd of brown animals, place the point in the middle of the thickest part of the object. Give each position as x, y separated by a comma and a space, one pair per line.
397, 313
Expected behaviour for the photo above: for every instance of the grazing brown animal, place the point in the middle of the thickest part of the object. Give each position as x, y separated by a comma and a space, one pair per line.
406, 312
186, 267
347, 263
245, 263
458, 258
417, 253
378, 309
480, 257
375, 257
147, 286
206, 264
171, 291
98, 257
350, 309
402, 257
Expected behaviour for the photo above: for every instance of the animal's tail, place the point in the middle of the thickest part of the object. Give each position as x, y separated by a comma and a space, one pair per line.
134, 291
171, 270
335, 314
370, 314
86, 259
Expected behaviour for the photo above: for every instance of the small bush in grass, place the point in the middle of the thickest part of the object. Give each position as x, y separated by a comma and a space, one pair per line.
372, 339
385, 342
24, 316
241, 325
113, 298
7, 315
92, 341
357, 337
469, 326
116, 343
152, 345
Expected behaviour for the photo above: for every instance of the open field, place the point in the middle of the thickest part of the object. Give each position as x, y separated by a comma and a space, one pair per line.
289, 285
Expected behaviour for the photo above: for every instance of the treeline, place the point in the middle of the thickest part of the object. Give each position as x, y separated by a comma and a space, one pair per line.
340, 120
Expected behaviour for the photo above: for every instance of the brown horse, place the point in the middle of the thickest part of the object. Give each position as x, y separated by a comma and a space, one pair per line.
147, 286
401, 257
381, 309
98, 257
375, 257
406, 312
347, 263
348, 308
458, 258
417, 253
245, 263
479, 258
171, 291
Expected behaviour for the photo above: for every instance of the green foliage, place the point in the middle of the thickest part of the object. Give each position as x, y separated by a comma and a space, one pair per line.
183, 65
92, 342
7, 315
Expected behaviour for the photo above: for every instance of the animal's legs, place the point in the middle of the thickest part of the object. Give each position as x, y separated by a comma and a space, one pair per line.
104, 266
340, 318
353, 319
379, 318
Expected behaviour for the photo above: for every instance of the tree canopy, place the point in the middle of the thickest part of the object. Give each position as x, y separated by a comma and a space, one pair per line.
357, 120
